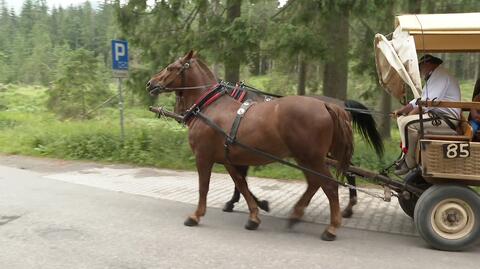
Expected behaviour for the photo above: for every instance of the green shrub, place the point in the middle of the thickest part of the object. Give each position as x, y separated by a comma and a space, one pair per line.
80, 85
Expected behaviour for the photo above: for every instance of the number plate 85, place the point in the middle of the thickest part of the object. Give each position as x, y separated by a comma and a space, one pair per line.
456, 150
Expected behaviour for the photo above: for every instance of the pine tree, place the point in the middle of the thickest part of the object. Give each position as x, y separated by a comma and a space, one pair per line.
79, 86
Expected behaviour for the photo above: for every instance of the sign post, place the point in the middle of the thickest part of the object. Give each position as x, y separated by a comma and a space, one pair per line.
120, 70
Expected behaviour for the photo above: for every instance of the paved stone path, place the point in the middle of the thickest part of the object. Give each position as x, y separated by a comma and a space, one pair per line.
369, 214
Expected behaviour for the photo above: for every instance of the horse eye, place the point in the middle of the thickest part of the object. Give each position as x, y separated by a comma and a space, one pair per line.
169, 69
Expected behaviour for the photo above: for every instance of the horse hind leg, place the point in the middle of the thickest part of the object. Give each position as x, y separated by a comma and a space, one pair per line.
348, 211
330, 188
228, 207
302, 203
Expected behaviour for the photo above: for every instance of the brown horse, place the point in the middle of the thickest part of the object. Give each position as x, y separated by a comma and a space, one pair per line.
303, 128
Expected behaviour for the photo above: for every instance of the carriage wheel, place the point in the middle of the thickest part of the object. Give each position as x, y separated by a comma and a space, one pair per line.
448, 217
413, 178
408, 206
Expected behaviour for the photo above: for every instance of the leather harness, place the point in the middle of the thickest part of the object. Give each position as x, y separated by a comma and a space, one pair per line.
211, 96
229, 140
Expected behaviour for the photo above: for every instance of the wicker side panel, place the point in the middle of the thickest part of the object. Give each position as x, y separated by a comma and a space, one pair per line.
435, 165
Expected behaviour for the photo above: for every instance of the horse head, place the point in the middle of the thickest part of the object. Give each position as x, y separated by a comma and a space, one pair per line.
188, 77
171, 77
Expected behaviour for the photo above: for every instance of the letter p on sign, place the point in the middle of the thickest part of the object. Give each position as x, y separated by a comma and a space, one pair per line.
119, 51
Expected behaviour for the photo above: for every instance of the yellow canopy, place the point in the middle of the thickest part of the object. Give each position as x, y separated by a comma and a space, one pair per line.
456, 32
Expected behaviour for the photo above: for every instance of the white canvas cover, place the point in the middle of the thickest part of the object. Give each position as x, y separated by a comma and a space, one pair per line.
455, 32
397, 64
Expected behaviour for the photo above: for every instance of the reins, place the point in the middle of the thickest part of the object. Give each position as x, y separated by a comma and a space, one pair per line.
252, 89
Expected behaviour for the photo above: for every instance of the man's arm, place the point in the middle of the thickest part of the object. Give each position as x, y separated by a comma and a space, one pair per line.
404, 110
414, 111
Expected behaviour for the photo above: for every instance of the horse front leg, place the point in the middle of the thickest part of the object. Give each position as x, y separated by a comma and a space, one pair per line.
348, 211
242, 186
204, 169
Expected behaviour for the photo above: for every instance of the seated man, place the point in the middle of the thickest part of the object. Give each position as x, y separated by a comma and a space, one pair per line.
439, 85
474, 113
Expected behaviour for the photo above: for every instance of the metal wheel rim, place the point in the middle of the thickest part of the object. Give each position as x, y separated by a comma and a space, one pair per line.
452, 219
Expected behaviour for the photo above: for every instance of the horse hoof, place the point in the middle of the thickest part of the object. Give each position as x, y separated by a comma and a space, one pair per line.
251, 225
190, 222
347, 213
292, 222
264, 205
228, 207
327, 236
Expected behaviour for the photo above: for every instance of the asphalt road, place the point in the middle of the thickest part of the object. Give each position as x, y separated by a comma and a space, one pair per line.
45, 223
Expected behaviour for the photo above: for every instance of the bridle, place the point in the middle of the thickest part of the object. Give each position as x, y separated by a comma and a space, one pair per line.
181, 72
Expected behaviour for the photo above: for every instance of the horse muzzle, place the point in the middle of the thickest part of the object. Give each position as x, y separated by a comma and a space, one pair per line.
153, 89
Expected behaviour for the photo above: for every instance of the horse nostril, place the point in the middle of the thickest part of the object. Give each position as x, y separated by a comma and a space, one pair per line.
148, 84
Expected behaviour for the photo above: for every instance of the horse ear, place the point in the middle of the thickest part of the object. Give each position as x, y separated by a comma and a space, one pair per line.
188, 56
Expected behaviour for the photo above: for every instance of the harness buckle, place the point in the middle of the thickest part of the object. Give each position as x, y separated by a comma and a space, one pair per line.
195, 110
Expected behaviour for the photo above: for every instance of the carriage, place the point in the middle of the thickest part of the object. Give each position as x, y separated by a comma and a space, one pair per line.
445, 209
437, 194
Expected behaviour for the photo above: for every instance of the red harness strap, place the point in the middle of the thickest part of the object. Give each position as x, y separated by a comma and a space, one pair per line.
210, 96
205, 94
235, 90
242, 96
212, 99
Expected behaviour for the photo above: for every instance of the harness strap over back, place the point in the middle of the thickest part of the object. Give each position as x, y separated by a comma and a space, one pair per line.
230, 139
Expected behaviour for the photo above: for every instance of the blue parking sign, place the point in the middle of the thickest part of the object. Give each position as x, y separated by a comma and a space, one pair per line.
120, 57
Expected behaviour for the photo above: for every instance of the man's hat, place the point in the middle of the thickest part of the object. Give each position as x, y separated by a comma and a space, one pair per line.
427, 58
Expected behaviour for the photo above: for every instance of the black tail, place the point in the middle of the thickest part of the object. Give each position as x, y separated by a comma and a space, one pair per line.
364, 124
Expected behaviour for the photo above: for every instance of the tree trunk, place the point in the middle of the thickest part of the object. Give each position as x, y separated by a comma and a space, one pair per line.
232, 61
302, 75
386, 100
255, 62
264, 65
477, 68
385, 121
335, 77
459, 68
216, 70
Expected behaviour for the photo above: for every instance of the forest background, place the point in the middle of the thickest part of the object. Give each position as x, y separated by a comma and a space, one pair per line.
58, 98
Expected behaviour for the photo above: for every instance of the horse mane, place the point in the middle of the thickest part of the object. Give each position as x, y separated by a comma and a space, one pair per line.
204, 68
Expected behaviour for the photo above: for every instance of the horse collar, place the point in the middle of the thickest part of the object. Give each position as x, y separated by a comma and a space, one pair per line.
212, 95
